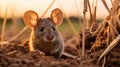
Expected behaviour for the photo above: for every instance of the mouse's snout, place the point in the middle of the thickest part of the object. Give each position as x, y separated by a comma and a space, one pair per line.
50, 37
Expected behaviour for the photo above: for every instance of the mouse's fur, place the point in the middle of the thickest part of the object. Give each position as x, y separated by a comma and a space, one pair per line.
53, 47
46, 37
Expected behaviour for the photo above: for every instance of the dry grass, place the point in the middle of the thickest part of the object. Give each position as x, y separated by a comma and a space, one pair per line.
4, 25
107, 33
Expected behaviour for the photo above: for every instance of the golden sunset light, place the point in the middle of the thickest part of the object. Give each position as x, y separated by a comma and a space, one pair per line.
59, 33
18, 7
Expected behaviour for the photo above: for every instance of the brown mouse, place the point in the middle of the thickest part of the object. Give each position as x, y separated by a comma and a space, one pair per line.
45, 35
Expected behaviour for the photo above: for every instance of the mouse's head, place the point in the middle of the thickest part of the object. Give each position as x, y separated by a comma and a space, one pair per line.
44, 29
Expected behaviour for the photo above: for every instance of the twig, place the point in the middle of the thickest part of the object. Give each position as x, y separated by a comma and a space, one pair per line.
104, 3
114, 8
15, 37
113, 27
84, 23
110, 47
108, 36
104, 62
111, 2
4, 25
95, 10
99, 28
70, 23
11, 52
4, 42
91, 17
117, 18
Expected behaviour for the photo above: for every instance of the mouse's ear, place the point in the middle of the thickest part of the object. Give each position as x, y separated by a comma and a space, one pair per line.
57, 16
30, 18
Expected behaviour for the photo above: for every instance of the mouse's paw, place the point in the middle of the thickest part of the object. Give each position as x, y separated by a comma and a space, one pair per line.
41, 53
54, 51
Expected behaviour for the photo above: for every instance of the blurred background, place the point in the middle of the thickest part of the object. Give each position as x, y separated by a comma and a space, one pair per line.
13, 11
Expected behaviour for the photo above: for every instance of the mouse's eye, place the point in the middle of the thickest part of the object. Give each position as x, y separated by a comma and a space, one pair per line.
41, 29
53, 28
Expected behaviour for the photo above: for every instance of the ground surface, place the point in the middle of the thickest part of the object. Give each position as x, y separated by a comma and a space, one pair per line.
18, 55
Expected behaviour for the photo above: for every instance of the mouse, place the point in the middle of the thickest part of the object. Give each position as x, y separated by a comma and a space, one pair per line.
45, 35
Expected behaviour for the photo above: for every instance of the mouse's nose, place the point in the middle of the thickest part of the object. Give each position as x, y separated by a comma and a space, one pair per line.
49, 37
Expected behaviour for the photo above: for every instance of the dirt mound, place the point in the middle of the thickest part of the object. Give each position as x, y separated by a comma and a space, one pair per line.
16, 55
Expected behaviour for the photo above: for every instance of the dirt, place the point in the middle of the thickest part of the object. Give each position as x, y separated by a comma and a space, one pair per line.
17, 54
96, 47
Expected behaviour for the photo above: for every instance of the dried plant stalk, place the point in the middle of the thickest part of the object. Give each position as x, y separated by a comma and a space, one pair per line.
66, 17
110, 47
104, 2
16, 36
4, 25
116, 6
94, 12
91, 17
94, 24
84, 23
111, 2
